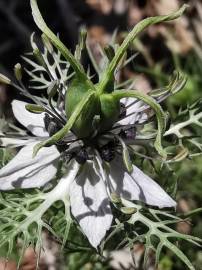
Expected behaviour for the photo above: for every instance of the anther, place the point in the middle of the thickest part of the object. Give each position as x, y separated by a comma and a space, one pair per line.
107, 152
47, 120
51, 125
128, 134
122, 110
82, 156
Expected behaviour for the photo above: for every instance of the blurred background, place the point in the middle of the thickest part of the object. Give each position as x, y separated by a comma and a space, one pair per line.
161, 49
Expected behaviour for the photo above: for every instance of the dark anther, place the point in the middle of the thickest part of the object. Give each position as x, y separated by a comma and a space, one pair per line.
53, 128
51, 125
122, 111
107, 152
61, 146
82, 156
47, 120
67, 156
128, 134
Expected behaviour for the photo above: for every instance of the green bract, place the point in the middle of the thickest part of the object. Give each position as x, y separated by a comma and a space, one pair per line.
86, 102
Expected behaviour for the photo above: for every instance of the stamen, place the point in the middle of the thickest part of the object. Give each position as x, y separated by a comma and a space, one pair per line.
122, 127
51, 124
122, 111
132, 103
36, 100
67, 156
56, 113
107, 152
82, 156
136, 112
128, 134
25, 93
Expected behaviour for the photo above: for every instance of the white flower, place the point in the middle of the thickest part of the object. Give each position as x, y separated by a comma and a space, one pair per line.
90, 190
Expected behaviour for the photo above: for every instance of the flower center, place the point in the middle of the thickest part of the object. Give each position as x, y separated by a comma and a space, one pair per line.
83, 149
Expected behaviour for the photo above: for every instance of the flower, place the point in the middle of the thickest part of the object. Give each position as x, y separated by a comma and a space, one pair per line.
91, 128
101, 169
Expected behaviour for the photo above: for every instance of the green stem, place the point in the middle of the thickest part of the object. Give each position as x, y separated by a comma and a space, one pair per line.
155, 106
63, 132
58, 44
191, 213
109, 73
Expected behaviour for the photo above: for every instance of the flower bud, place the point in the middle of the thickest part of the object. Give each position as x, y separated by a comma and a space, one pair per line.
18, 71
33, 108
110, 110
4, 79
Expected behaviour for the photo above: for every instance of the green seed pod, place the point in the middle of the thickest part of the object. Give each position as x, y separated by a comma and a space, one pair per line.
110, 110
105, 105
83, 127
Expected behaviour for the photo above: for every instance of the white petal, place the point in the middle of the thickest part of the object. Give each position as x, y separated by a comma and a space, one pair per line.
13, 142
61, 190
23, 171
134, 112
90, 204
137, 186
33, 122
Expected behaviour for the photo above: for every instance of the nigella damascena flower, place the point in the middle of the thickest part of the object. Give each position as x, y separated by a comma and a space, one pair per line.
90, 127
100, 169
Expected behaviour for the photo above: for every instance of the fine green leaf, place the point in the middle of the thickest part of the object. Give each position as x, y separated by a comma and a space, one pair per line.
158, 253
159, 228
180, 254
57, 43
